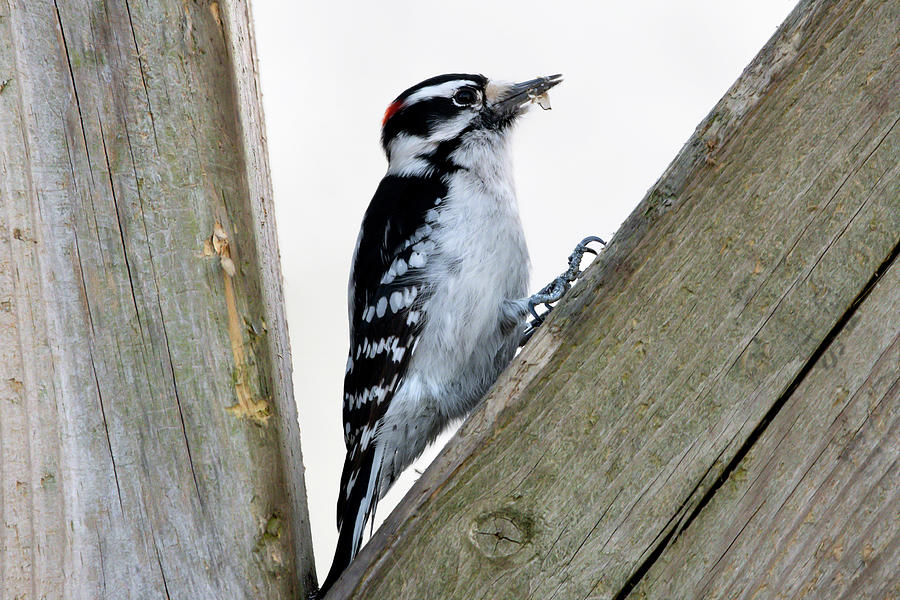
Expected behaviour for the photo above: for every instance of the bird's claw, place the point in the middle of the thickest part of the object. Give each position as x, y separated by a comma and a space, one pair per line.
583, 247
556, 289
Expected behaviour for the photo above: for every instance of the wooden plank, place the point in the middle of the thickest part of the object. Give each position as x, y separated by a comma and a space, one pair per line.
620, 416
149, 432
813, 509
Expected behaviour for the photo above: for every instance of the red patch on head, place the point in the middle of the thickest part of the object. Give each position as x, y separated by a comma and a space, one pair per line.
391, 110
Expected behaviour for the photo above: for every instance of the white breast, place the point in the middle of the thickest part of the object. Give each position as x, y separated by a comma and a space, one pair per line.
477, 265
481, 261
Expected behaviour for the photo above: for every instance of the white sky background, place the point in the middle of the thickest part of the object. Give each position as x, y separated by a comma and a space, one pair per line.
639, 76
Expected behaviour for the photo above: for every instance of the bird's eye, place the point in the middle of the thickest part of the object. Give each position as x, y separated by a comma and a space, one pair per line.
465, 97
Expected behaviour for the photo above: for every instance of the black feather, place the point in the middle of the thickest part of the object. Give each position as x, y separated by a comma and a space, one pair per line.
394, 222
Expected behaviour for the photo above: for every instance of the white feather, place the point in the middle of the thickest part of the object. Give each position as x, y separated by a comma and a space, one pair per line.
477, 266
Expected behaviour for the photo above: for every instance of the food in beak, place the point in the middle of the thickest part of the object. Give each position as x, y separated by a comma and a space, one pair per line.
542, 100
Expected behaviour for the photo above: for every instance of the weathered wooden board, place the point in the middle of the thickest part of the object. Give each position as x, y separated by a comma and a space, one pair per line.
708, 309
150, 446
813, 508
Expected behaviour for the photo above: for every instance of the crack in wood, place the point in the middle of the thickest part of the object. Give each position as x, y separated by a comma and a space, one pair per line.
760, 428
140, 60
77, 76
162, 572
115, 200
65, 44
112, 458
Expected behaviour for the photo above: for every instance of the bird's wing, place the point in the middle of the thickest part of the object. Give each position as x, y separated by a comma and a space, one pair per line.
386, 316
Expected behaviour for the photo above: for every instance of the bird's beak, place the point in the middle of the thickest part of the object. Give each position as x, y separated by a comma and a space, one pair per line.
519, 93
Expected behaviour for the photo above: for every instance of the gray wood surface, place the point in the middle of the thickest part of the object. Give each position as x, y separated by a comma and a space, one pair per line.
150, 446
813, 508
749, 301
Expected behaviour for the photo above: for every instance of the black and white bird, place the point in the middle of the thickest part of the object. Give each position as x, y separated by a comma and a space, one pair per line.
438, 286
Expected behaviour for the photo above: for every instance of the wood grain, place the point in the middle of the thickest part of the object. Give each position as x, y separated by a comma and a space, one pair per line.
813, 509
127, 131
652, 380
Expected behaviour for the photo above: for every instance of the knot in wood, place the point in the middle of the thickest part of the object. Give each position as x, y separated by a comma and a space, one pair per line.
500, 534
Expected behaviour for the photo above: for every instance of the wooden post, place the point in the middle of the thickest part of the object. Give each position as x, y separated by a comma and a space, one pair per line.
149, 446
715, 411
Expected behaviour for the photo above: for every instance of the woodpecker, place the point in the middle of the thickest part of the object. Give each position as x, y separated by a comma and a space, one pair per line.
438, 284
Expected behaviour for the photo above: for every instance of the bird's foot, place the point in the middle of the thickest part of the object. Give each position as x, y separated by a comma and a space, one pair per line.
556, 289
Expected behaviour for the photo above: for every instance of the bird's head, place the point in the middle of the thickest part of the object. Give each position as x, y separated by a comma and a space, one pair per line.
425, 125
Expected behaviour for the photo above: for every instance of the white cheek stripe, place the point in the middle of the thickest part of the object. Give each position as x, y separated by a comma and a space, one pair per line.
406, 151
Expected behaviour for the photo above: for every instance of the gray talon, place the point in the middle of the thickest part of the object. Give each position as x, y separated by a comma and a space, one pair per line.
556, 289
592, 238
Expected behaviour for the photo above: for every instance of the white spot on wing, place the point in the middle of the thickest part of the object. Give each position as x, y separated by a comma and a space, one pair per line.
409, 294
366, 438
396, 301
416, 261
351, 481
381, 307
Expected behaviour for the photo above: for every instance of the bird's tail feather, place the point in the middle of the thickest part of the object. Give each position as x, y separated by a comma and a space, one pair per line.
359, 498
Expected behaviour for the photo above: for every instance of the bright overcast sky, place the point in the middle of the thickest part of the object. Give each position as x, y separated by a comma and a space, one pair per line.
639, 76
